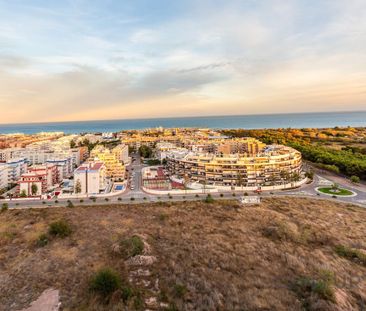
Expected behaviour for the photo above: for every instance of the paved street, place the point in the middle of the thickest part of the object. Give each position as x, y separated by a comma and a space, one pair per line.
137, 195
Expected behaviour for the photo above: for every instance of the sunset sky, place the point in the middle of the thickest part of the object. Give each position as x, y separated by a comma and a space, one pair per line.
91, 60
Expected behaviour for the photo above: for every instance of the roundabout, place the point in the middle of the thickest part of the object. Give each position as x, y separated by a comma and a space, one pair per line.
335, 191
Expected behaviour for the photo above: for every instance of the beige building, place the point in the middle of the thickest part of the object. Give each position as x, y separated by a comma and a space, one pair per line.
274, 165
114, 166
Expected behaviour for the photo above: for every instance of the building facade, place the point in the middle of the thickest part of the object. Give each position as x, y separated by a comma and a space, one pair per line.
114, 167
38, 180
275, 165
90, 178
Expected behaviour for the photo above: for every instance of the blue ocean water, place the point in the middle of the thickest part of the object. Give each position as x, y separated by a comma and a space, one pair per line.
293, 120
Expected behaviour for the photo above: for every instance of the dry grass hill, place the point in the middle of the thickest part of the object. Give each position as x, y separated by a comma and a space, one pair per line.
284, 254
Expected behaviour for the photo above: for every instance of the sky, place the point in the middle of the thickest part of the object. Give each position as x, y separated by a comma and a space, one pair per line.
112, 59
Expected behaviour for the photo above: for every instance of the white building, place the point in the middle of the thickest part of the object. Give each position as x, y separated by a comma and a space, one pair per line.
64, 166
3, 176
16, 168
90, 178
40, 154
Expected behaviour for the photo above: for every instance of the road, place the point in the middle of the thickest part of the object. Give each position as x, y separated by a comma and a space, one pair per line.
137, 195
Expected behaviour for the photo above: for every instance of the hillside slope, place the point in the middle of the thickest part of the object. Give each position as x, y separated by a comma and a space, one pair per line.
284, 254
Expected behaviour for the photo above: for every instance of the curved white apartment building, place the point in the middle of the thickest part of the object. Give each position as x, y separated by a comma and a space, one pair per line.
274, 165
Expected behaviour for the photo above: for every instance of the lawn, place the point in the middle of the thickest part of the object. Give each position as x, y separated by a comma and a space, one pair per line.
339, 191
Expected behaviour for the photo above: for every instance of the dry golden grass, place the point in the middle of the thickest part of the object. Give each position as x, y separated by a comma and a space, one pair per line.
209, 257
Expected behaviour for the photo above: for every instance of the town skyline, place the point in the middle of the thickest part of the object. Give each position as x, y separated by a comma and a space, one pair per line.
80, 61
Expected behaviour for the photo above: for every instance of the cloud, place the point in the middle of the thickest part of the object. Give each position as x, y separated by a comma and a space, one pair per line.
83, 61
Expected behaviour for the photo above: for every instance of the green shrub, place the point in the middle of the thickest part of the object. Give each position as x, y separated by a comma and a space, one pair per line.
70, 204
246, 194
351, 254
197, 196
209, 198
179, 290
131, 247
145, 198
323, 286
43, 202
106, 199
42, 240
105, 282
60, 229
4, 207
132, 199
81, 200
119, 199
234, 195
355, 179
56, 201
162, 217
221, 195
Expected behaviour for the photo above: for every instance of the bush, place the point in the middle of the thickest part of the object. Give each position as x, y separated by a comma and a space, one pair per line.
179, 290
246, 194
197, 196
351, 254
209, 198
132, 199
323, 286
119, 199
162, 217
234, 195
43, 202
42, 240
221, 195
81, 200
60, 229
105, 282
4, 207
131, 247
355, 179
106, 199
145, 198
69, 204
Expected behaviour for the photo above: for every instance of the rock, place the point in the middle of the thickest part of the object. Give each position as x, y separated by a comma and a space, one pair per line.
141, 272
141, 260
151, 302
48, 301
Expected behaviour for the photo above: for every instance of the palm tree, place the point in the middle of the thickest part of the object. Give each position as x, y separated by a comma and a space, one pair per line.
77, 187
34, 189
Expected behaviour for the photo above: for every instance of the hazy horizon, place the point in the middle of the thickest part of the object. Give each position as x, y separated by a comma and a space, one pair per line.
113, 60
187, 117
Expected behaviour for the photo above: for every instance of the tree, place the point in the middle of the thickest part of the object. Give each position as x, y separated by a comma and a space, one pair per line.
77, 187
145, 151
4, 207
355, 179
295, 177
34, 189
72, 144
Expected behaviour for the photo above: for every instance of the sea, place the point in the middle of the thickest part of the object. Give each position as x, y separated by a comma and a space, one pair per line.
289, 120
